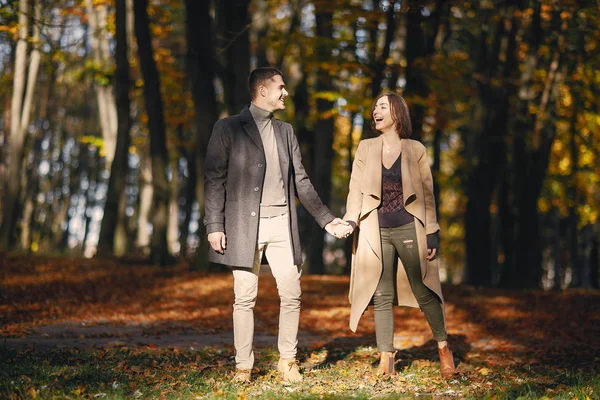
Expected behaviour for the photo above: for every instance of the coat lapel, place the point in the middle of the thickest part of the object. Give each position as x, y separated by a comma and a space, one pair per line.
408, 188
371, 183
251, 128
409, 176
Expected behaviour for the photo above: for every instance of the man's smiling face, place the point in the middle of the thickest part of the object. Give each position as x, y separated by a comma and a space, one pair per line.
274, 93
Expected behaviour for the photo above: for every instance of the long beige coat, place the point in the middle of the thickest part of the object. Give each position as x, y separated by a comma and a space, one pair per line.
363, 199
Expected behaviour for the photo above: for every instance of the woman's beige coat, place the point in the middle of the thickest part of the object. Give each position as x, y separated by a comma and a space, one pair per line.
363, 199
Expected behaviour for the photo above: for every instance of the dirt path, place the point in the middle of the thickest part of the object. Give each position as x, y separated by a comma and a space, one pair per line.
81, 336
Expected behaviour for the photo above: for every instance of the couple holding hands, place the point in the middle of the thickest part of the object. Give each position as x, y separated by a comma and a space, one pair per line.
252, 176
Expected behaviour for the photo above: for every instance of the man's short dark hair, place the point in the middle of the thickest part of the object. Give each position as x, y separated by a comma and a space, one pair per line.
259, 77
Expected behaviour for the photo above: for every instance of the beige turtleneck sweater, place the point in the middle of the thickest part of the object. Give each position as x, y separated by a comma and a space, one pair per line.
272, 201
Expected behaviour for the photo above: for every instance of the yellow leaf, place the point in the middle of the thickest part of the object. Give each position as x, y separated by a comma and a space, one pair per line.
78, 391
484, 371
32, 393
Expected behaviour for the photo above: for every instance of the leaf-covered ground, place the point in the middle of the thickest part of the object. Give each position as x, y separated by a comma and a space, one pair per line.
78, 328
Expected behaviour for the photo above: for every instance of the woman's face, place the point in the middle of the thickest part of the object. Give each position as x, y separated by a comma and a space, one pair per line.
382, 115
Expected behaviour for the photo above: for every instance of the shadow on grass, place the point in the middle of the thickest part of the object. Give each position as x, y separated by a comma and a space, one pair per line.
341, 347
428, 351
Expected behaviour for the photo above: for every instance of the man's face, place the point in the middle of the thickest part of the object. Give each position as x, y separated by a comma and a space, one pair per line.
274, 93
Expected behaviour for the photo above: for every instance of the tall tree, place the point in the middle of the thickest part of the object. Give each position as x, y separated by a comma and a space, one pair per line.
258, 32
421, 32
200, 67
119, 166
233, 26
531, 156
107, 110
378, 61
323, 132
496, 64
159, 253
22, 99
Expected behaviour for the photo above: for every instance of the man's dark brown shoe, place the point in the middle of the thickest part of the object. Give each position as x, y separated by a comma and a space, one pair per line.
446, 362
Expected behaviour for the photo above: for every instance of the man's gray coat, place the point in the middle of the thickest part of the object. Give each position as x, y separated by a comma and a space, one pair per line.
234, 172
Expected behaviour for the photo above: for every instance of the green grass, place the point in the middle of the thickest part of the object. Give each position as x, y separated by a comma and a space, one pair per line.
123, 373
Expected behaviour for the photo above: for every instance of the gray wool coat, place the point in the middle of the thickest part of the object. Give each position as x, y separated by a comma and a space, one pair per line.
234, 172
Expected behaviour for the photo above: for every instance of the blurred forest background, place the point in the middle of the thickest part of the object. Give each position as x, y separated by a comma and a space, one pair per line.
106, 107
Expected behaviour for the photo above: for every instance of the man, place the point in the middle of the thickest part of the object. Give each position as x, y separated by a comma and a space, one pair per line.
253, 171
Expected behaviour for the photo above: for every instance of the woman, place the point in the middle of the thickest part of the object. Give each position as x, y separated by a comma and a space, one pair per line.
392, 207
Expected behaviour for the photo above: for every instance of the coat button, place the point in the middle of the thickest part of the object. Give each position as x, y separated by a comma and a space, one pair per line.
253, 214
256, 189
259, 165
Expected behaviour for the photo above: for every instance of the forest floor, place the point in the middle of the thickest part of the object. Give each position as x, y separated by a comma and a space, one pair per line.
79, 328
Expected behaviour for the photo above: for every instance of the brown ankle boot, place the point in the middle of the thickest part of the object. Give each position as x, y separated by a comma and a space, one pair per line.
446, 362
386, 363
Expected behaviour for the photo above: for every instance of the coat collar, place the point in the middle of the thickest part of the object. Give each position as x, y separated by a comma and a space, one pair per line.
372, 184
251, 128
280, 138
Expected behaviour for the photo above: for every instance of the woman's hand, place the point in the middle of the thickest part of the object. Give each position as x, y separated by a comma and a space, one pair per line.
431, 253
338, 228
343, 231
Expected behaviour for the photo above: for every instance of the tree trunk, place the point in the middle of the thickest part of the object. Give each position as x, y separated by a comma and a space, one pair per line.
119, 166
200, 67
489, 129
305, 134
420, 41
31, 192
234, 23
22, 99
173, 224
575, 261
189, 196
94, 174
107, 110
296, 10
144, 204
556, 251
258, 32
323, 140
595, 256
585, 276
530, 168
159, 252
379, 63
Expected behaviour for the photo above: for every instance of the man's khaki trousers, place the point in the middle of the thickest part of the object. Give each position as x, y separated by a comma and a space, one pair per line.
274, 241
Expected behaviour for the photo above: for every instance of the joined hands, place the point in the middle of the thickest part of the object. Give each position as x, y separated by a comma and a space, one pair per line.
339, 228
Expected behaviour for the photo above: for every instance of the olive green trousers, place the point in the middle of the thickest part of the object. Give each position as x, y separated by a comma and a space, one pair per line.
402, 240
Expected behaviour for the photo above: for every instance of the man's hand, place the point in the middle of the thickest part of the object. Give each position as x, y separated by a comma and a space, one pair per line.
339, 228
218, 241
431, 254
